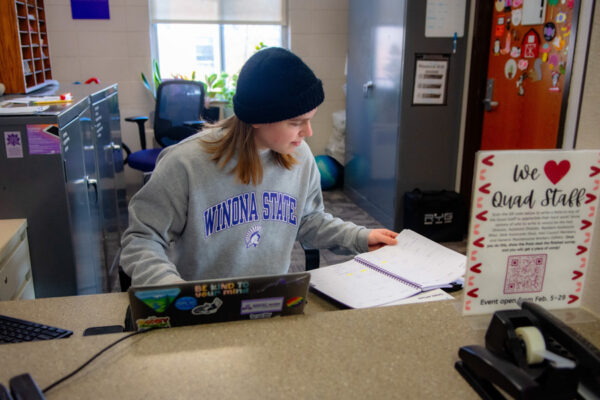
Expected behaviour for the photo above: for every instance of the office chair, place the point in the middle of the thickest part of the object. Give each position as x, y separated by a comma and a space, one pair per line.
178, 114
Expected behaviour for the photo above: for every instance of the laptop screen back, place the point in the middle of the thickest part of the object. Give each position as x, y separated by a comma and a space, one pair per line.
218, 300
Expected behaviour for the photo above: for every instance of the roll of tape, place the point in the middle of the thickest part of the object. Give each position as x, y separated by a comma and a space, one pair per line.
535, 347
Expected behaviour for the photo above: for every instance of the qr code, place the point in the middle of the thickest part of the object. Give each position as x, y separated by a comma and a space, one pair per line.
525, 273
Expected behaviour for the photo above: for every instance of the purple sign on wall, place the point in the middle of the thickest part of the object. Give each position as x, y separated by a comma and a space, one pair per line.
90, 9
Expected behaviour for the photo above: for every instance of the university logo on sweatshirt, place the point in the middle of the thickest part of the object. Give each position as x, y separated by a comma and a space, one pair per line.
244, 208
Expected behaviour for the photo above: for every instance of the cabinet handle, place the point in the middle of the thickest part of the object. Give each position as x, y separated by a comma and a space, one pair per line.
369, 85
112, 146
92, 182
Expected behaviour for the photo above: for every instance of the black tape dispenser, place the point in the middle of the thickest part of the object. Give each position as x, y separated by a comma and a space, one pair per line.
530, 354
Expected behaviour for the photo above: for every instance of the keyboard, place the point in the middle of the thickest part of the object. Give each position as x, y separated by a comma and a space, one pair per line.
14, 330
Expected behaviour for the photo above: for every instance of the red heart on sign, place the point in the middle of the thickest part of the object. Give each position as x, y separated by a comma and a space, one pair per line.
555, 172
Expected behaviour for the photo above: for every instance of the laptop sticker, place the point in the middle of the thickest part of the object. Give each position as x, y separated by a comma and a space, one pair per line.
153, 322
186, 303
221, 289
158, 299
273, 304
208, 308
261, 315
294, 301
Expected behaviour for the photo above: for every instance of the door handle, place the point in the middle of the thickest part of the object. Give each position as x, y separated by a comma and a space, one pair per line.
369, 85
488, 103
92, 182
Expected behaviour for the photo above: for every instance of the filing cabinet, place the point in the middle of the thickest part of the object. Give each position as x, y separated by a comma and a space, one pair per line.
16, 281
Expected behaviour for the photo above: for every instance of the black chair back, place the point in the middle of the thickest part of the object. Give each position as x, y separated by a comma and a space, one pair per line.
179, 109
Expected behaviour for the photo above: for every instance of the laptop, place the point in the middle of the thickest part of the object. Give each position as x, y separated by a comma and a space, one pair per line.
216, 300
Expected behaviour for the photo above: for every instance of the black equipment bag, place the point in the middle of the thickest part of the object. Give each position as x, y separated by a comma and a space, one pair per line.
439, 215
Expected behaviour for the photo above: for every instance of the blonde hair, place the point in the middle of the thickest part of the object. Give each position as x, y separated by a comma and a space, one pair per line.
239, 139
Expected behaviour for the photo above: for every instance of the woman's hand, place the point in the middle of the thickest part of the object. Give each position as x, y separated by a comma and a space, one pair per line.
381, 237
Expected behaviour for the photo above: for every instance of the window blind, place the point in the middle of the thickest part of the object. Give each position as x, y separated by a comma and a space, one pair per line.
219, 11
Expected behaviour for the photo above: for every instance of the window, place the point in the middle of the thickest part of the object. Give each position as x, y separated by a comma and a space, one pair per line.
211, 36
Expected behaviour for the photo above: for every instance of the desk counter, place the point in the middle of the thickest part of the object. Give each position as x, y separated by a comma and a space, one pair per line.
391, 352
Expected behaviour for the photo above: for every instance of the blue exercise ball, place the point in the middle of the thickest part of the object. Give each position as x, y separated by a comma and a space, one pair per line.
332, 172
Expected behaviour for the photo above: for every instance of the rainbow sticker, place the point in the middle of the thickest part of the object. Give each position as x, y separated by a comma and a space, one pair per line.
158, 299
294, 301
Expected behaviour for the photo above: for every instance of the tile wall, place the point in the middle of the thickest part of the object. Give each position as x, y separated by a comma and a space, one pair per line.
114, 50
319, 35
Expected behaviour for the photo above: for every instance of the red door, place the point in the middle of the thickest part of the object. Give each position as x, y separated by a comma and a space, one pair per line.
529, 69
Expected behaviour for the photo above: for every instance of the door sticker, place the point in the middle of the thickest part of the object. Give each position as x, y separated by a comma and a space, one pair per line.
516, 17
531, 44
549, 31
510, 69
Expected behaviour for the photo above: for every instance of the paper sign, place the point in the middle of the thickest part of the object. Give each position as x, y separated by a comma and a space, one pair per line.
430, 81
445, 18
531, 227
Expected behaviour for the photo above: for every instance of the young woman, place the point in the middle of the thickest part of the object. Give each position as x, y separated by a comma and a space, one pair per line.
233, 199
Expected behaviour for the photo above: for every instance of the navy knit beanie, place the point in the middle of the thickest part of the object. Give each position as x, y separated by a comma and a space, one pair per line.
275, 85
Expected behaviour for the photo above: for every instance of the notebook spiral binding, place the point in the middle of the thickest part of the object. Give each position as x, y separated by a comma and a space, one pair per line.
384, 272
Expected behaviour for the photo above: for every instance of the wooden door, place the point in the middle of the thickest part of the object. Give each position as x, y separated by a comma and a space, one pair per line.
529, 65
514, 115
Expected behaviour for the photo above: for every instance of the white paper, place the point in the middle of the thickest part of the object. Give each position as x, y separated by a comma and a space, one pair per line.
358, 286
419, 260
444, 18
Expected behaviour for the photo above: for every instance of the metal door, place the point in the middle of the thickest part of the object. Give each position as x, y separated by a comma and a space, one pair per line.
104, 156
82, 193
117, 156
372, 108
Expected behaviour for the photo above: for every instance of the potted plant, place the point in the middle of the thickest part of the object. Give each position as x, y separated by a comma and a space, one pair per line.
219, 89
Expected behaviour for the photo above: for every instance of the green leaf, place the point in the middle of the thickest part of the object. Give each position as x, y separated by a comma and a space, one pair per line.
147, 85
156, 69
210, 79
193, 75
157, 77
145, 81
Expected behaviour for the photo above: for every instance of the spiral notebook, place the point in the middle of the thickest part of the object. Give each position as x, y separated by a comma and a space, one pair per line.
391, 273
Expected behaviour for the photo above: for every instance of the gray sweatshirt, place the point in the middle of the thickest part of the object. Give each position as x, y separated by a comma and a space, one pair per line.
193, 220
